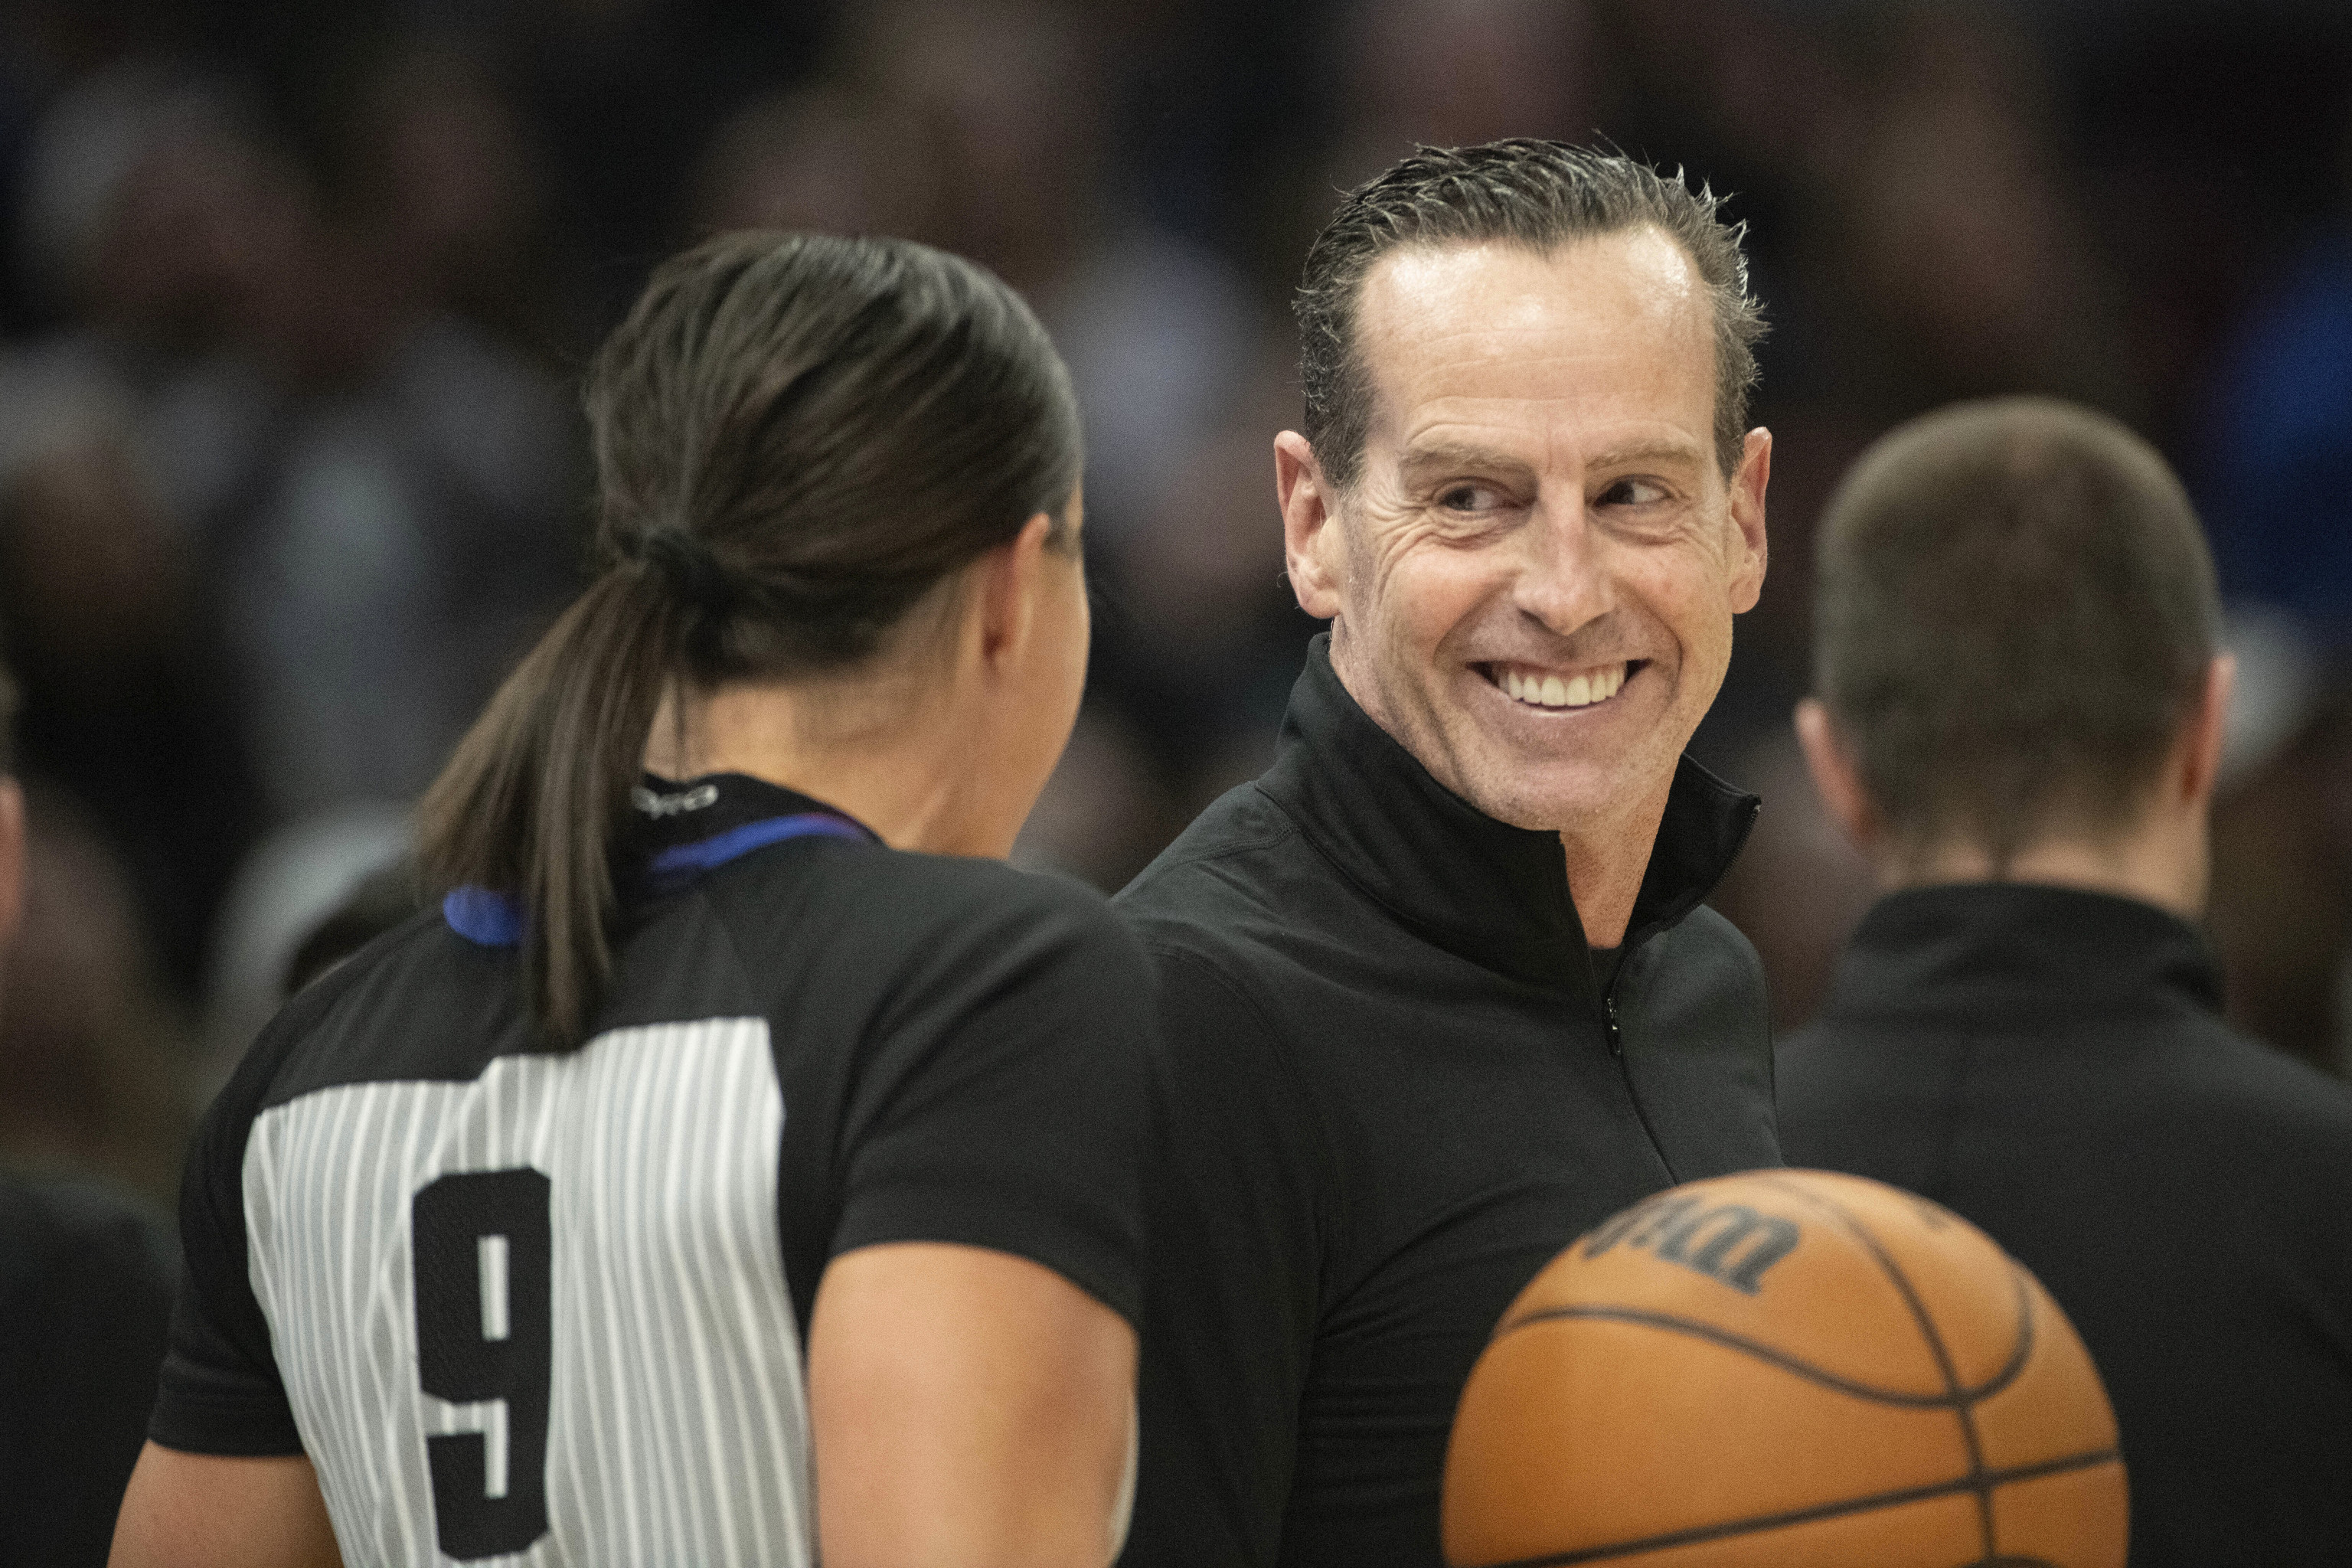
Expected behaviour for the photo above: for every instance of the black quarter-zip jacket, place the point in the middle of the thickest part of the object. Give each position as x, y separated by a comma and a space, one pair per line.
1391, 1089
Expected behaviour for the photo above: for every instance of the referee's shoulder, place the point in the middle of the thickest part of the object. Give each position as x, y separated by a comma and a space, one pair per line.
283, 1054
990, 895
424, 938
926, 905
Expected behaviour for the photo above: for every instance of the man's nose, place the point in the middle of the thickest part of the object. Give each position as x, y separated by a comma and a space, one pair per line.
1564, 579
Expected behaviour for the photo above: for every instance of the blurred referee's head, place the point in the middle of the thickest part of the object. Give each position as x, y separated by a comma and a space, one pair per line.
2017, 672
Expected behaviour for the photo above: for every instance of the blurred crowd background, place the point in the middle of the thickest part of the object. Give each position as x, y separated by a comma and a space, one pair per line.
293, 299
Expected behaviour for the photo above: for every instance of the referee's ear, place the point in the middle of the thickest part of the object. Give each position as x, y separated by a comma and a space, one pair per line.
1011, 590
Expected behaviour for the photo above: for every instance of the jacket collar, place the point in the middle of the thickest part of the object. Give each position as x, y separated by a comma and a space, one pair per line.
2019, 956
679, 829
1482, 890
676, 832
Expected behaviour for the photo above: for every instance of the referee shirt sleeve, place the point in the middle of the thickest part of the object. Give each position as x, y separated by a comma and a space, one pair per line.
1002, 1102
219, 1391
1234, 1182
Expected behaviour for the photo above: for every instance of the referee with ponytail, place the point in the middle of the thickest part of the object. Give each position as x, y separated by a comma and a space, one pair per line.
740, 1164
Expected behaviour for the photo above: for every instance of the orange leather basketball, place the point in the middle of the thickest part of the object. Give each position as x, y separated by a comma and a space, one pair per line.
1784, 1368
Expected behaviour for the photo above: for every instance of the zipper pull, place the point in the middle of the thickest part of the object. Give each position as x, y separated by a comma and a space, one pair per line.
1616, 1037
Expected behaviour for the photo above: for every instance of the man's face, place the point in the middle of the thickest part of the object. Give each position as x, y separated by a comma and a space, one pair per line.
1533, 577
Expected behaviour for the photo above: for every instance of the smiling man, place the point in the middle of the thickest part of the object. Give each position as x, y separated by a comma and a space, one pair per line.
1438, 990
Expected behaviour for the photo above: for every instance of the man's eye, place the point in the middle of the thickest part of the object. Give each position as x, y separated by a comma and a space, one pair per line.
1469, 498
1632, 492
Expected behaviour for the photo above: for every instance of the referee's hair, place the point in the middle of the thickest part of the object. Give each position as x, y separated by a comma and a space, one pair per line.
2014, 613
797, 437
1523, 191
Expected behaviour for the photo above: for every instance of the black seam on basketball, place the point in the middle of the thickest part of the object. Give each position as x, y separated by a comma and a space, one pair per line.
1764, 1353
2025, 1337
1996, 1480
1927, 1329
1969, 1393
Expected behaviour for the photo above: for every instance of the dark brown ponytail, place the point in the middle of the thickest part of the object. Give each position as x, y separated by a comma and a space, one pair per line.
796, 437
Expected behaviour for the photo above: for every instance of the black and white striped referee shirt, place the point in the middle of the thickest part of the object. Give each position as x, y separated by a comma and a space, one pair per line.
534, 1308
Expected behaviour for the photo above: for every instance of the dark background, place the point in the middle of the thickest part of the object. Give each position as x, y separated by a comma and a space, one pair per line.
294, 297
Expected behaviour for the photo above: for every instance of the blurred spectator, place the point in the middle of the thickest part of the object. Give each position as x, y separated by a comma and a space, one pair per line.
285, 893
1449, 73
1953, 238
435, 155
423, 472
2211, 135
624, 93
2277, 442
1105, 812
86, 1284
820, 157
91, 1063
1202, 635
276, 433
128, 444
2275, 428
2280, 914
1007, 98
1389, 75
86, 1273
410, 534
384, 900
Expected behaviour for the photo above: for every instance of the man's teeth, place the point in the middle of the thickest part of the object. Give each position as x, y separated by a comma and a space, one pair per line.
1547, 690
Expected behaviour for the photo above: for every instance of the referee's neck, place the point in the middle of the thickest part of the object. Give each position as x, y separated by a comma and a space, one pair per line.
868, 746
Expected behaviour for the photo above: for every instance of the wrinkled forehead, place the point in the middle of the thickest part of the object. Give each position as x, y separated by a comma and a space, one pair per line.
1616, 326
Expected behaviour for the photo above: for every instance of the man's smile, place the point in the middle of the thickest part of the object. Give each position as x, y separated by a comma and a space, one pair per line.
1547, 687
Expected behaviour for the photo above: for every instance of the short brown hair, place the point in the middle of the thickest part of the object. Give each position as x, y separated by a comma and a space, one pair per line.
2014, 614
1537, 194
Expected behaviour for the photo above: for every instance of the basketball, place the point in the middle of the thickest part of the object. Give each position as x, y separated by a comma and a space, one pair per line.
1784, 1368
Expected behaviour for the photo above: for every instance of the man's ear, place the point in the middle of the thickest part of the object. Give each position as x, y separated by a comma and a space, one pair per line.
1748, 487
2198, 764
1312, 548
1836, 779
1010, 579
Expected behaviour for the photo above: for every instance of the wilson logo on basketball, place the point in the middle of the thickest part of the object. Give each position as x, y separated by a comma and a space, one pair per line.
1731, 1242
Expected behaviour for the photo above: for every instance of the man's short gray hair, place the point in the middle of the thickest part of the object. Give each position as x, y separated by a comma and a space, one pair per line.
1537, 194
